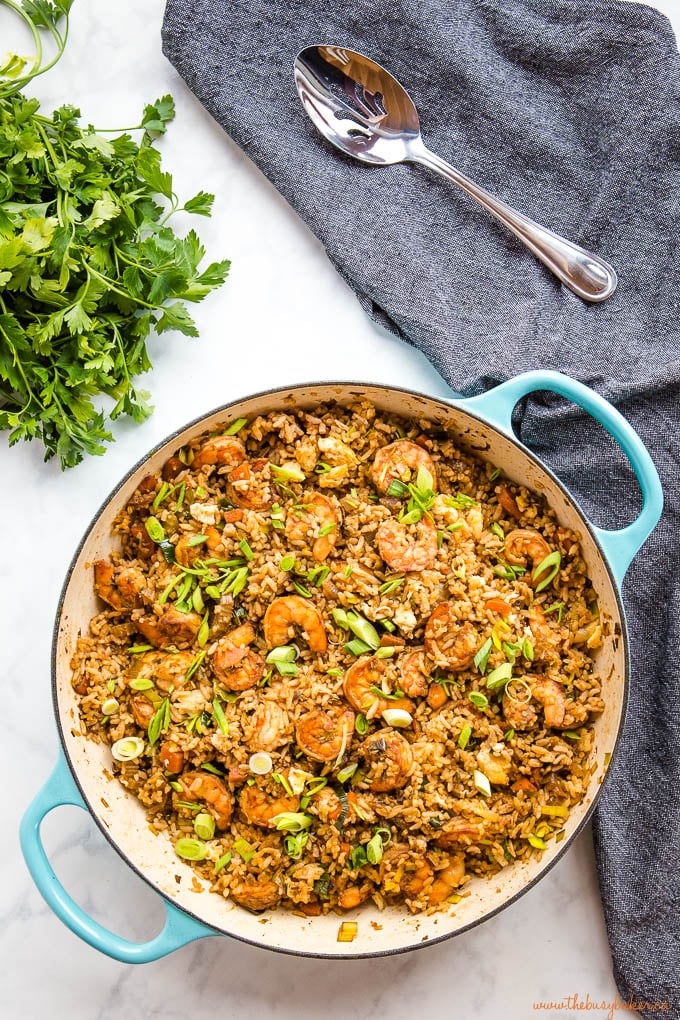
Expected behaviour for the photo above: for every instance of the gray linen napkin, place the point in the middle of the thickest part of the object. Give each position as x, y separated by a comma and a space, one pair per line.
567, 109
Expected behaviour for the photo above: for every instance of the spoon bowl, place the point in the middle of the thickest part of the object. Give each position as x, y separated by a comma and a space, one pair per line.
361, 109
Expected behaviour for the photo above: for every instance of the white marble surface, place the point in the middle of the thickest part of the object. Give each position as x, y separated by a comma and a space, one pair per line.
284, 316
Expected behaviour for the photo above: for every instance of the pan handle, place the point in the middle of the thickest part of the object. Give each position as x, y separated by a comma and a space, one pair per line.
496, 406
179, 928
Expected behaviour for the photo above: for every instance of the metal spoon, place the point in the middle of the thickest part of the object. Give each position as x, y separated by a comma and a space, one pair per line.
361, 109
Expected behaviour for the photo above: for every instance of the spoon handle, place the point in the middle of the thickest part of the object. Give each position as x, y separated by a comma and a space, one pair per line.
586, 274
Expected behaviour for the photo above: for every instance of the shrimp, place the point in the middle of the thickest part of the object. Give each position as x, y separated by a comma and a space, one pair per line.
226, 451
325, 735
524, 544
547, 638
249, 487
166, 669
403, 551
518, 712
260, 807
459, 831
288, 612
353, 896
448, 642
211, 789
172, 756
256, 895
414, 674
402, 870
340, 458
319, 514
400, 461
447, 879
120, 587
551, 696
186, 554
359, 685
172, 627
389, 761
234, 665
494, 761
268, 727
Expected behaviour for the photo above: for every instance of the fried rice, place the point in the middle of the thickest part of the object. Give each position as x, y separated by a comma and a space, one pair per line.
341, 658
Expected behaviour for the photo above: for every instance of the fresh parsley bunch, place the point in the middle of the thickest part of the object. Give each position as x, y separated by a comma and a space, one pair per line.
89, 263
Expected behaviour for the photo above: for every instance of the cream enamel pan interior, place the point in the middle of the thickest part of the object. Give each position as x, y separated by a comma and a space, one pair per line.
122, 818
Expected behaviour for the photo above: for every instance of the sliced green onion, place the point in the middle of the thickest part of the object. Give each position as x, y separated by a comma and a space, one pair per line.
572, 734
213, 592
244, 849
363, 629
200, 492
482, 783
110, 706
208, 766
344, 774
385, 652
235, 427
508, 735
291, 821
358, 857
136, 649
196, 540
389, 586
283, 653
180, 498
222, 862
246, 550
340, 617
537, 842
496, 473
497, 530
174, 785
260, 763
203, 632
326, 530
387, 625
301, 590
348, 570
283, 780
160, 495
482, 657
191, 849
464, 737
159, 721
322, 468
318, 575
361, 725
374, 849
440, 539
552, 564
127, 748
556, 607
142, 683
294, 845
424, 480
479, 700
220, 717
356, 647
111, 685
204, 825
463, 502
289, 473
334, 672
286, 669
499, 677
397, 489
287, 563
528, 650
155, 530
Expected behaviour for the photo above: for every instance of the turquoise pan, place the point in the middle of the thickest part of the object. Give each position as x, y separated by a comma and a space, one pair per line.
81, 776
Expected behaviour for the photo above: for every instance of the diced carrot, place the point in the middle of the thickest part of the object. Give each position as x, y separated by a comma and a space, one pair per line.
499, 606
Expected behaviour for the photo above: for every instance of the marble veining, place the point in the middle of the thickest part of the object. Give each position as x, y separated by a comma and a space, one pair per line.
285, 316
